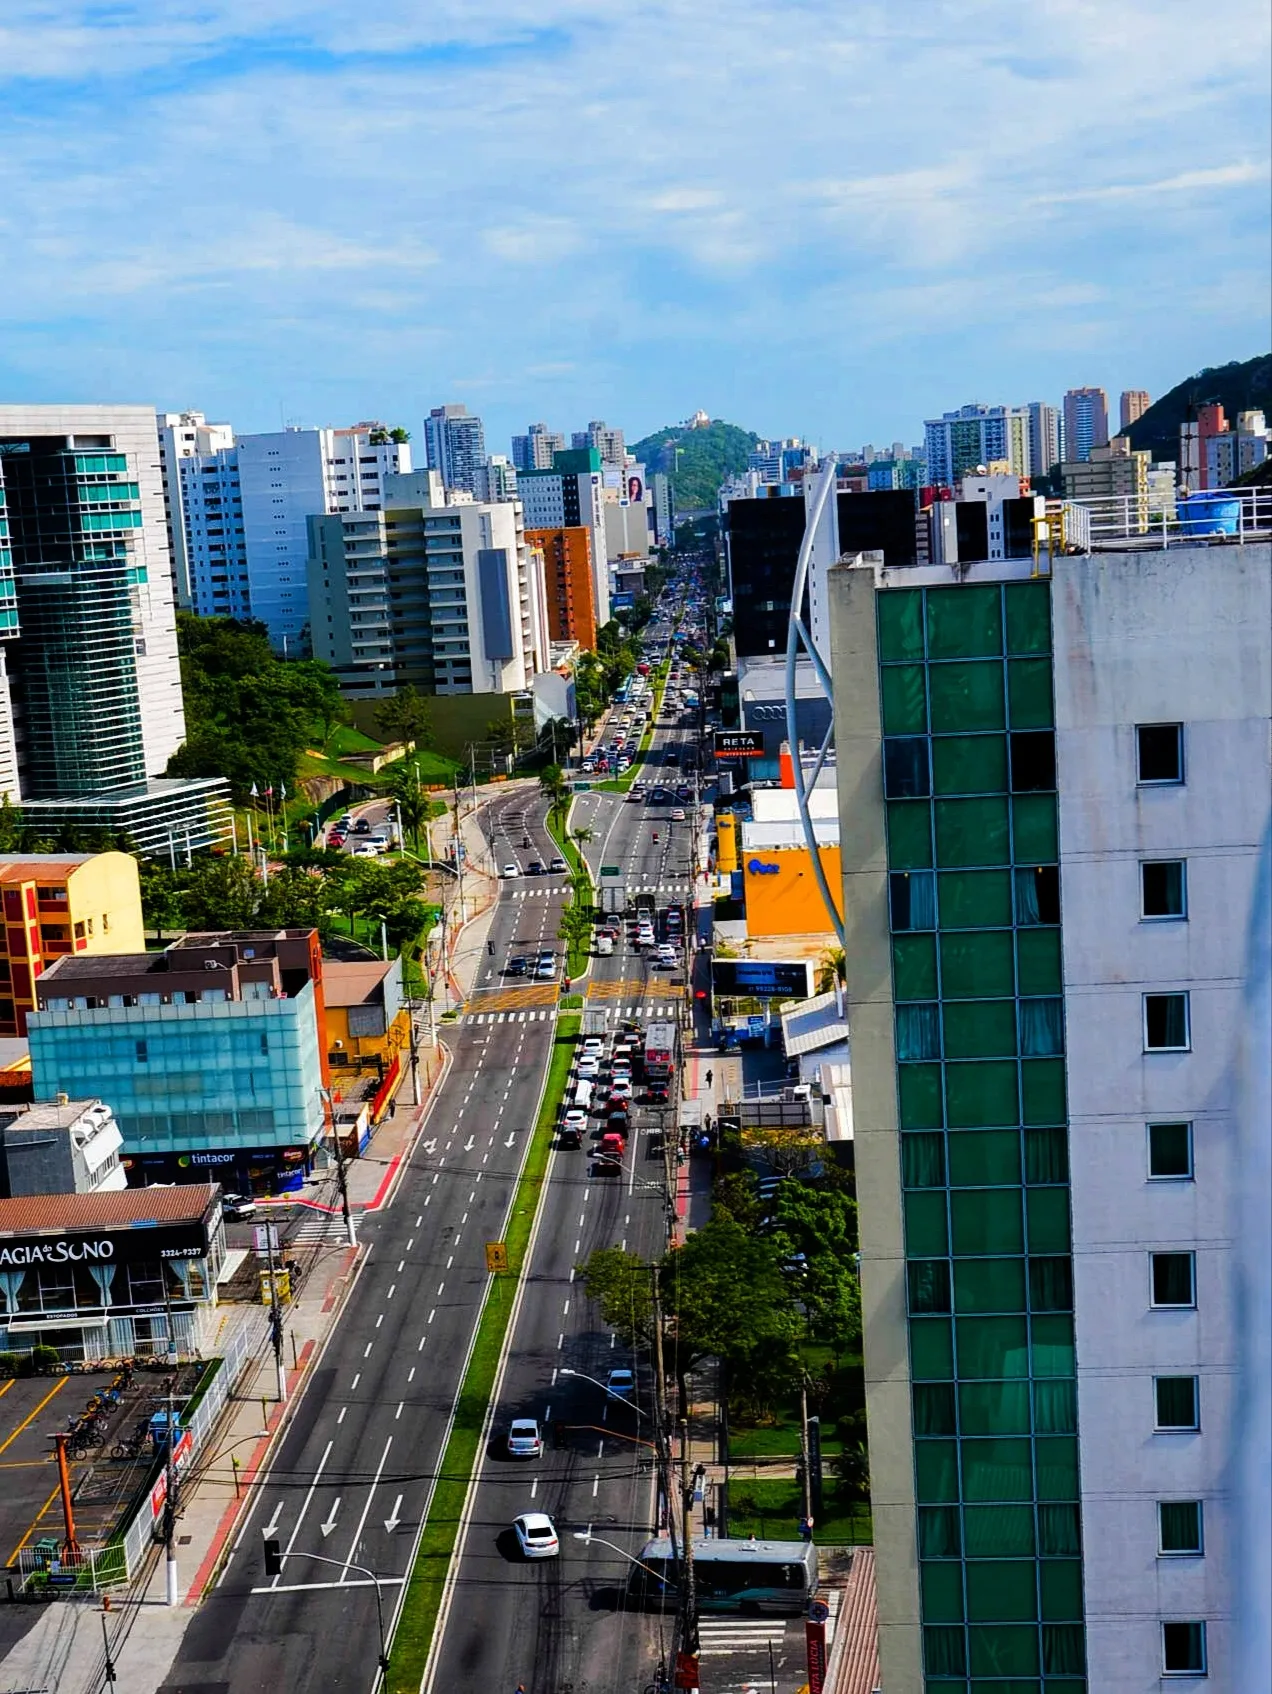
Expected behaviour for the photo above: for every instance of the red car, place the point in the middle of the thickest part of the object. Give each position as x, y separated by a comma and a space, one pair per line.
610, 1152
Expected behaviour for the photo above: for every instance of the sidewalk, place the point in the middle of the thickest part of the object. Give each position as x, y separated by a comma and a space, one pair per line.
63, 1648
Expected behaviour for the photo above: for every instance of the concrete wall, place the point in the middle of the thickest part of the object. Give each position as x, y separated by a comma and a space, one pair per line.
1151, 637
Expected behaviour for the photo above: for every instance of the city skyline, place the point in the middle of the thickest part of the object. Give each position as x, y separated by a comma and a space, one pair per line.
314, 269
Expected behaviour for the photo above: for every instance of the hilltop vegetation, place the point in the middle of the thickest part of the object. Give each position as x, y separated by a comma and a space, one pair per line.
696, 460
1244, 385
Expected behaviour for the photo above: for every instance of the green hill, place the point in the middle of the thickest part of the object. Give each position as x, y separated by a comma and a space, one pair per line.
1245, 385
696, 460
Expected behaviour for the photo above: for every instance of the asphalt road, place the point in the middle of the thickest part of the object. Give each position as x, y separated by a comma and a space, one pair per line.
557, 1624
352, 1477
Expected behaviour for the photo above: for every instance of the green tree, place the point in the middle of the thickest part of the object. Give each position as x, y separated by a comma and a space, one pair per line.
406, 716
162, 905
622, 1287
831, 968
734, 1196
554, 788
821, 1224
403, 782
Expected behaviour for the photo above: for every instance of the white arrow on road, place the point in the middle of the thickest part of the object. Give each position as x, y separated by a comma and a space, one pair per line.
395, 1516
330, 1522
272, 1526
468, 1145
511, 1141
431, 1146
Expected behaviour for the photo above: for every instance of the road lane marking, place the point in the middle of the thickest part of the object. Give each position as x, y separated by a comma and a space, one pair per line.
369, 1346
329, 1522
398, 1414
392, 1291
304, 1506
375, 1483
560, 1342
428, 1199
57, 1388
596, 1484
357, 1379
534, 1488
449, 1263
432, 1314
440, 1287
379, 1320
565, 1310
463, 1220
577, 1248
418, 1222
271, 1528
341, 1418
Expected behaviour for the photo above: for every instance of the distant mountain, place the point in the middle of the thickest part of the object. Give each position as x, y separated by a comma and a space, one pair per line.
1243, 386
696, 460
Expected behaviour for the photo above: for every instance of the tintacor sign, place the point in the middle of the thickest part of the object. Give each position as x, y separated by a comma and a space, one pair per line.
738, 744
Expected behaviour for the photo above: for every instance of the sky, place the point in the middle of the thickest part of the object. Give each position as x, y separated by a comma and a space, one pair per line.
822, 219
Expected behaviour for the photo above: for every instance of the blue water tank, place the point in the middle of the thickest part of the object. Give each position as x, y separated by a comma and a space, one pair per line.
1209, 514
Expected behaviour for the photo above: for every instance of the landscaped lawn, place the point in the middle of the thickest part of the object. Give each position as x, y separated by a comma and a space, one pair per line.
779, 1435
772, 1510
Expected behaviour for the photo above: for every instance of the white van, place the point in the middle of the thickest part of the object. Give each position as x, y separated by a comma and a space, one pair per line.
583, 1096
604, 946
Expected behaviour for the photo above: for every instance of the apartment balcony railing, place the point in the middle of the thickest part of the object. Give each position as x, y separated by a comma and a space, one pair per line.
1118, 522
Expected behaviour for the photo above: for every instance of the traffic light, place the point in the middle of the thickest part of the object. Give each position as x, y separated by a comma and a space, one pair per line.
273, 1557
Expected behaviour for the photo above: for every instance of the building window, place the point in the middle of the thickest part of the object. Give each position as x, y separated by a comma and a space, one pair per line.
143, 1053
1170, 1151
913, 897
1174, 1279
1176, 1402
906, 773
1166, 1023
1178, 1528
1184, 1649
1160, 749
1163, 889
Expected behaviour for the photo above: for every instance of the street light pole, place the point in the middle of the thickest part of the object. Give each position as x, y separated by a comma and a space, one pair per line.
382, 1664
342, 1175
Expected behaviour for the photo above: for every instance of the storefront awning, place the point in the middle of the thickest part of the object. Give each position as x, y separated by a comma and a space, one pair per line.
28, 1326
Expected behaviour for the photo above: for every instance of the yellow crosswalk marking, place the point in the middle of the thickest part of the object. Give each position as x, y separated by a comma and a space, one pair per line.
514, 999
624, 988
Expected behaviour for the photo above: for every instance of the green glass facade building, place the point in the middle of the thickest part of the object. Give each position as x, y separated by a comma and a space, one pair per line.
946, 752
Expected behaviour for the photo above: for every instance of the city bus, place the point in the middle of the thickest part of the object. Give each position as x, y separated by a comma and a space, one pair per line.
778, 1578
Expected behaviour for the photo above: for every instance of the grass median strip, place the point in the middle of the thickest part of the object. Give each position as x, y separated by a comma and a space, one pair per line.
414, 1636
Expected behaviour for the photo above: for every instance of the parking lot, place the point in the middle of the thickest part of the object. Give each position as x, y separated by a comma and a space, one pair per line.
32, 1410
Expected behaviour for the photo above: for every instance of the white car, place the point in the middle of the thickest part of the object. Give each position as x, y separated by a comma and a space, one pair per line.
524, 1439
667, 955
575, 1118
593, 1046
512, 870
536, 1536
621, 1088
590, 1065
678, 814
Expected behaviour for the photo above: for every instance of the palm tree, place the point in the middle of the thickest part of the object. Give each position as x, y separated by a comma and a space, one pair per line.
831, 968
583, 835
554, 788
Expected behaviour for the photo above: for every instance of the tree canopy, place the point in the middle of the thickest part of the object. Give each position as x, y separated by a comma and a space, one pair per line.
696, 460
249, 714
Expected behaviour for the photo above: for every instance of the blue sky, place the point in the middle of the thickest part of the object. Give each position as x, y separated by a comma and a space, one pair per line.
814, 218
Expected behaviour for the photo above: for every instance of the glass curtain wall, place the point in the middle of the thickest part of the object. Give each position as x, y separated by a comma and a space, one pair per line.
969, 776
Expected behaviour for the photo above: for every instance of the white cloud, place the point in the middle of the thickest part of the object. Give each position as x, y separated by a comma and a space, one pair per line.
633, 199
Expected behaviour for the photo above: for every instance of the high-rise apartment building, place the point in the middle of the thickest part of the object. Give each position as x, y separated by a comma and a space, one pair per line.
572, 493
568, 579
1134, 403
974, 436
1112, 474
90, 687
496, 479
237, 512
1045, 446
1086, 422
537, 448
1052, 797
455, 442
608, 442
436, 591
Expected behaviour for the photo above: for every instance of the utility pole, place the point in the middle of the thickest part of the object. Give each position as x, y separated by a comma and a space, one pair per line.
689, 1595
803, 1447
662, 1450
342, 1175
170, 1505
276, 1314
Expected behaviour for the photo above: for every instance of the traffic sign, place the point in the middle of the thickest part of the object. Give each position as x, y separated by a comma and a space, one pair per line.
611, 870
496, 1256
580, 787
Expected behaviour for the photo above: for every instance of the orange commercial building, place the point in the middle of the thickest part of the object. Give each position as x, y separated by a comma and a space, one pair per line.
567, 576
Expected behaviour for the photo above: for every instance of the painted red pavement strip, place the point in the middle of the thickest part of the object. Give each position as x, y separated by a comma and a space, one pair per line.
374, 1204
232, 1512
337, 1281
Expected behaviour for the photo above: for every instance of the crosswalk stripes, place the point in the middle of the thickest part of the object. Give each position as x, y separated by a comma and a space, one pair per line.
511, 1017
718, 1637
317, 1229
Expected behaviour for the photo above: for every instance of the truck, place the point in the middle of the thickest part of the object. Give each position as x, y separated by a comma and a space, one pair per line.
660, 1052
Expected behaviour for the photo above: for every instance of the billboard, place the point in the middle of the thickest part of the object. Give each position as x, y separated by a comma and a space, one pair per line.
739, 744
764, 979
